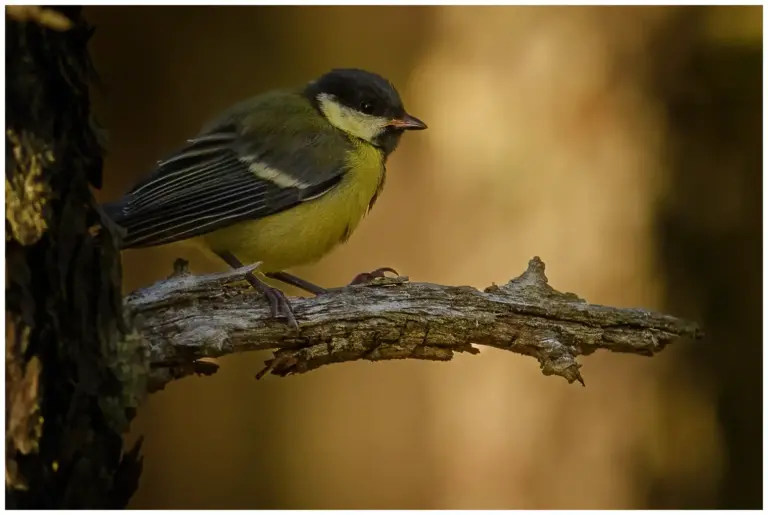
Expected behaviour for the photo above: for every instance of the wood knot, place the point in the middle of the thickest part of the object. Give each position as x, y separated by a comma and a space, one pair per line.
180, 268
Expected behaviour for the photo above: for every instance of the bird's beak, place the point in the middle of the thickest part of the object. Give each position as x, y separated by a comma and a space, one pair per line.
408, 123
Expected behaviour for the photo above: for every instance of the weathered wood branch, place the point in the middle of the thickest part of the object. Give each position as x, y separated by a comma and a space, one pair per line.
186, 318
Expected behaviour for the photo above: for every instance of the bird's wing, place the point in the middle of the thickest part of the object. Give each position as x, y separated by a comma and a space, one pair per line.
235, 171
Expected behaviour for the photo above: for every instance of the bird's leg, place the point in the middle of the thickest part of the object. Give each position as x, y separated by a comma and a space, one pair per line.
367, 277
278, 302
298, 282
314, 289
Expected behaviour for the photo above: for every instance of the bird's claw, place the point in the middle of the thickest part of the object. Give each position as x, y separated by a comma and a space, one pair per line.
280, 306
367, 277
278, 302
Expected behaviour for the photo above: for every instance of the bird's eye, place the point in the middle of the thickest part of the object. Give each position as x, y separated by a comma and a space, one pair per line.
366, 107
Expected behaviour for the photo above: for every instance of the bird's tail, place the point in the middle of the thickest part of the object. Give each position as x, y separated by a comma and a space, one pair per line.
111, 215
113, 211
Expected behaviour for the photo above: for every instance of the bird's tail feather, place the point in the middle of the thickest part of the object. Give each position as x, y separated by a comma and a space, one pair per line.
111, 214
113, 210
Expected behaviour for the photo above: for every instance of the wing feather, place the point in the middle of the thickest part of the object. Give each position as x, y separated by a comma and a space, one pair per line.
231, 173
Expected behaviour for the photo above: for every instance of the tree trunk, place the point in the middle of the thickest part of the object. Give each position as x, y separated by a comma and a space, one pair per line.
71, 370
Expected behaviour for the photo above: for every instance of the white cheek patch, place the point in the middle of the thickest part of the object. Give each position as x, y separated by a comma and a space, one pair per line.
353, 122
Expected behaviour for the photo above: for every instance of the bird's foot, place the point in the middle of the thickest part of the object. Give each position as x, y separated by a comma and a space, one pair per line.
307, 286
278, 302
367, 277
279, 305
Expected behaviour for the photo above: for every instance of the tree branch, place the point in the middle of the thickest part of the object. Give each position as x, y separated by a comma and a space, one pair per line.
186, 318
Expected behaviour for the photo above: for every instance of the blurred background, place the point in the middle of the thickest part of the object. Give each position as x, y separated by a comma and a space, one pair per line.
622, 145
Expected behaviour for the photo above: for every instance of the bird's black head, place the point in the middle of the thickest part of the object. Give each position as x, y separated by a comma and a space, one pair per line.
364, 105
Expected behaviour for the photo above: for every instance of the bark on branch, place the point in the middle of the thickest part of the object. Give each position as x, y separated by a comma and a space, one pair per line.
186, 318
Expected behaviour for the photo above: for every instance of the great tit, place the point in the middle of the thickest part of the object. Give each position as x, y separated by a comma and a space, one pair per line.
280, 178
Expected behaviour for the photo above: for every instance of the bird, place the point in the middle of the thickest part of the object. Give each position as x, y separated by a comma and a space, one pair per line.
281, 178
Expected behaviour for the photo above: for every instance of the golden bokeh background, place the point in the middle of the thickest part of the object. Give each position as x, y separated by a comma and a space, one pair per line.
620, 144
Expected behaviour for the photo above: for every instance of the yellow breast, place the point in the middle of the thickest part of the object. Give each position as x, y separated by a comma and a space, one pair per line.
305, 233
